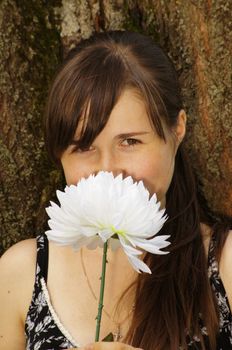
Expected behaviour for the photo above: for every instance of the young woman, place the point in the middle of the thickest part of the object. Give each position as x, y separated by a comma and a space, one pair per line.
115, 105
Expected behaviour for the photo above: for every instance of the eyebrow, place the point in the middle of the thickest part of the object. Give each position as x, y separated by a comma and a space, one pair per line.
131, 134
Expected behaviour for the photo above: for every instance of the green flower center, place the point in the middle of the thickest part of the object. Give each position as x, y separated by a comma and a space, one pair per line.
114, 230
118, 232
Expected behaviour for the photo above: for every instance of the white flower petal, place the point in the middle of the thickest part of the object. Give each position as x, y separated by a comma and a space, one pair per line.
70, 240
153, 245
105, 234
95, 242
138, 264
129, 250
102, 205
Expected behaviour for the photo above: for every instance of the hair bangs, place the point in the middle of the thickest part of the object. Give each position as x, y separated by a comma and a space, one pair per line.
106, 87
86, 96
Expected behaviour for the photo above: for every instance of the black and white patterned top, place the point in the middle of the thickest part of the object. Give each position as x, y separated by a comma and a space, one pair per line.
225, 316
44, 331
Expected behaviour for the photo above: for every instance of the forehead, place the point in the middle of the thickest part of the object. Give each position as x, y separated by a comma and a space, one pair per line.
128, 113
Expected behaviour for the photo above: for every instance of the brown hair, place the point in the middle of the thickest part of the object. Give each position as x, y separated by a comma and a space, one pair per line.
92, 79
171, 303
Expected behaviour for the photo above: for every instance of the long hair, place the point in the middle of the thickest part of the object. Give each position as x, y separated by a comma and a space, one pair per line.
173, 302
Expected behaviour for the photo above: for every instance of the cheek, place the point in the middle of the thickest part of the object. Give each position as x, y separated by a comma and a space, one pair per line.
73, 172
156, 174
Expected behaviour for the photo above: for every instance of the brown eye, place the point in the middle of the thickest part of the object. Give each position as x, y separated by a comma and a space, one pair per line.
78, 149
130, 142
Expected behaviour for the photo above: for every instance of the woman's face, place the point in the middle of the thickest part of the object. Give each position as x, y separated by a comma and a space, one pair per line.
129, 145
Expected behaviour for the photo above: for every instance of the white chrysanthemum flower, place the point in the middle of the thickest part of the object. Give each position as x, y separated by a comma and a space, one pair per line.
103, 207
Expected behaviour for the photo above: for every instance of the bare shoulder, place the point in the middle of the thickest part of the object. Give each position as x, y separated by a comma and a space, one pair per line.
17, 265
225, 266
17, 273
17, 269
19, 260
20, 251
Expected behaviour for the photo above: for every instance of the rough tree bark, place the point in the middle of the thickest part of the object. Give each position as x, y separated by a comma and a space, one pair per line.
33, 37
198, 36
29, 46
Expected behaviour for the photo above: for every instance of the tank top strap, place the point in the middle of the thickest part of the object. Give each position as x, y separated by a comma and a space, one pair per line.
42, 256
213, 268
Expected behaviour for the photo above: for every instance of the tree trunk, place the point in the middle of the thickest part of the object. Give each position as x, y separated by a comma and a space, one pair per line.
198, 36
34, 36
30, 46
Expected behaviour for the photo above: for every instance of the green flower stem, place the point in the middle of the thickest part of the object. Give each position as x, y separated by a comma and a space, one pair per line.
102, 287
